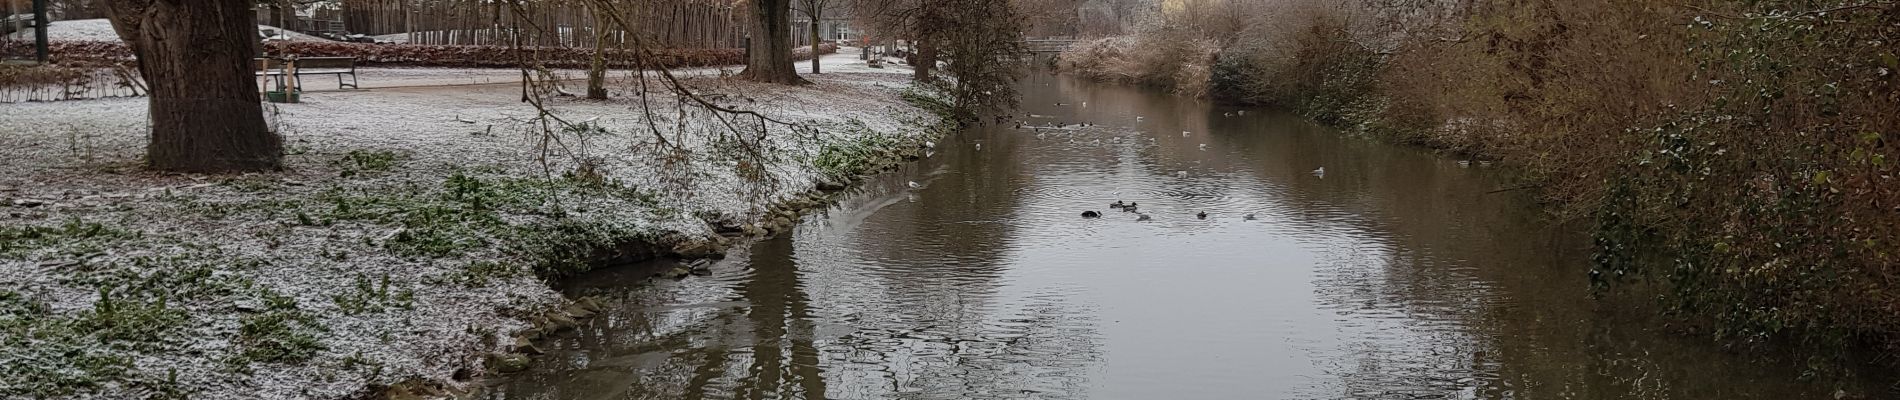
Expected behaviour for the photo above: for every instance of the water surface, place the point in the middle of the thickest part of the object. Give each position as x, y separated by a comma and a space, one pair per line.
1398, 274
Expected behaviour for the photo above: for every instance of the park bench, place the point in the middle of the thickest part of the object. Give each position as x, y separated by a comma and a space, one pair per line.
339, 66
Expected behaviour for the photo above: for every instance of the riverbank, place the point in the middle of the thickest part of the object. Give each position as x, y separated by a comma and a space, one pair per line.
407, 243
1759, 202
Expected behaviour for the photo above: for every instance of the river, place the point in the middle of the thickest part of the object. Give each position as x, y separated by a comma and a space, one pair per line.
1398, 274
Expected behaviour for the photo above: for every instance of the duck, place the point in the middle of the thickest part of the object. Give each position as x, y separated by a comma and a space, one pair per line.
1201, 215
1117, 204
1139, 217
1130, 207
1248, 217
1321, 172
1091, 214
1227, 114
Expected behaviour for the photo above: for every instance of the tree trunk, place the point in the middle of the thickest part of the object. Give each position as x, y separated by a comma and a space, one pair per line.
195, 57
770, 58
597, 73
923, 61
815, 14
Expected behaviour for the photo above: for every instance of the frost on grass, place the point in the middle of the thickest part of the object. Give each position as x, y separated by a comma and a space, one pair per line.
407, 237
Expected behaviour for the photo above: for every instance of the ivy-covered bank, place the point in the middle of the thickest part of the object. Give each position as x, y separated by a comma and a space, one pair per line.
407, 246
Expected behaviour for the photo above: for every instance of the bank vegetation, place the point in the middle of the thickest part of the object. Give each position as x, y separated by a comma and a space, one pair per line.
1739, 156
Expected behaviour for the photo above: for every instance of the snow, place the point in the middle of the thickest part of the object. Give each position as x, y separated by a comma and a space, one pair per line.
80, 158
100, 30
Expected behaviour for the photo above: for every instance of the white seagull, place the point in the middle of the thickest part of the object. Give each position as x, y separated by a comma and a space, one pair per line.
1321, 172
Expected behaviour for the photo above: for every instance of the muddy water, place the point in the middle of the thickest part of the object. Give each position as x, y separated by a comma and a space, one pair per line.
1397, 274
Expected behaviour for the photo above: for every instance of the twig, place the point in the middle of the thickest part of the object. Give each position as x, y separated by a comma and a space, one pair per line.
1513, 189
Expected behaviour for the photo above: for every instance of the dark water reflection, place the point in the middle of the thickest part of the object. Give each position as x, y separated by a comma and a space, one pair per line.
1396, 275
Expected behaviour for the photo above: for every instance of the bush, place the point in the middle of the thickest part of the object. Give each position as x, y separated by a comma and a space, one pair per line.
1173, 60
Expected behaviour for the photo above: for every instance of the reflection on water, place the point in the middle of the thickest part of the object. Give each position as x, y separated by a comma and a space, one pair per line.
1396, 275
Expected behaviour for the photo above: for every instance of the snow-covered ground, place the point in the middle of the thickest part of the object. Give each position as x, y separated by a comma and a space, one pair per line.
845, 61
101, 30
398, 243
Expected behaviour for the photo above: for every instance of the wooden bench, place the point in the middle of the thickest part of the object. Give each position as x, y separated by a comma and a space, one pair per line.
339, 66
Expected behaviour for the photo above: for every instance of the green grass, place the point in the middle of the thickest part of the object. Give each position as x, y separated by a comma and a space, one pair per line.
73, 238
373, 296
360, 162
142, 307
280, 332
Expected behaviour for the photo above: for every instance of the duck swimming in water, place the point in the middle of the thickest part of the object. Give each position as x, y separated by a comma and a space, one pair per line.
1117, 204
1091, 214
1202, 215
1248, 217
1130, 207
1139, 217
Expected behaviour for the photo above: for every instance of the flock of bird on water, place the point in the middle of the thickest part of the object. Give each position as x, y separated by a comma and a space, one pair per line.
1129, 207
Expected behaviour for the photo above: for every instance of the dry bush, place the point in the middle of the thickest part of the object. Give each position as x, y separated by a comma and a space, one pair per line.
1179, 62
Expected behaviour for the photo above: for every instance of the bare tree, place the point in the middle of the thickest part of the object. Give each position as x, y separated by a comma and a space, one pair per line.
195, 57
815, 9
770, 58
980, 44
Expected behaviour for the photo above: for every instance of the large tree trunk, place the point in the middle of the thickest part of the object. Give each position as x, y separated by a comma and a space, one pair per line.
923, 61
770, 58
195, 57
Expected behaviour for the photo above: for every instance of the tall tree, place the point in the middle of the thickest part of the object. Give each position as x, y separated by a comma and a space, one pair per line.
195, 57
597, 72
770, 58
815, 9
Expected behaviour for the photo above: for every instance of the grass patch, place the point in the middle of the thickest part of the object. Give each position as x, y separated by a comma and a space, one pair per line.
358, 162
46, 353
73, 238
280, 332
373, 297
529, 218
